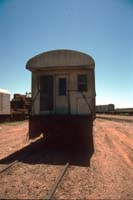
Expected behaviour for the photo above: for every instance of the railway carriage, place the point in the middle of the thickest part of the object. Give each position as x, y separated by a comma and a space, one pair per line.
63, 94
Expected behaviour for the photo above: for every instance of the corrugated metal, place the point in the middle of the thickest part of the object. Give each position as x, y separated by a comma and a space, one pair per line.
4, 102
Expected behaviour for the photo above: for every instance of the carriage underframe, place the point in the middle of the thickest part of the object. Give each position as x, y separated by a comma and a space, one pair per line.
63, 129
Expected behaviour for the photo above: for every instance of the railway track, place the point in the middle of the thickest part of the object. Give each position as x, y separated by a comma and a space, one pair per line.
30, 155
27, 151
8, 166
57, 182
34, 162
54, 186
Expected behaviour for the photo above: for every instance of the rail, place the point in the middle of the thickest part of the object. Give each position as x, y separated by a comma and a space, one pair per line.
29, 153
8, 166
58, 180
87, 102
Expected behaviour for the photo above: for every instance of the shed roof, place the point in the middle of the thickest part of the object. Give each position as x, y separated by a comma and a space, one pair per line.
60, 59
3, 91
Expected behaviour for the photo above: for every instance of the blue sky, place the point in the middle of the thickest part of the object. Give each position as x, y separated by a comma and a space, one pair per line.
101, 28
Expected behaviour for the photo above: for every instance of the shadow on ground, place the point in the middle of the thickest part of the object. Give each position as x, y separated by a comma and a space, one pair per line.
45, 152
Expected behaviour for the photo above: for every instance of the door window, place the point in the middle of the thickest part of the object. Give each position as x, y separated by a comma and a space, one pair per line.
62, 86
46, 93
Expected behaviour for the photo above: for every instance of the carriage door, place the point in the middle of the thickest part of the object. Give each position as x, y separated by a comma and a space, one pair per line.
46, 93
61, 89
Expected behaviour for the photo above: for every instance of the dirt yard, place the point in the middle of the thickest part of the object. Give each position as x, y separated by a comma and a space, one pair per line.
110, 175
116, 117
13, 136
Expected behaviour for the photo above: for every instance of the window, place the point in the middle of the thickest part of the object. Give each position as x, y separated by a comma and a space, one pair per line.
46, 93
82, 83
62, 86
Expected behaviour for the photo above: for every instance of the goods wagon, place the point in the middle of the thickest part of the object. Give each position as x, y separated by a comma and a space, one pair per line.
124, 111
105, 108
63, 94
4, 104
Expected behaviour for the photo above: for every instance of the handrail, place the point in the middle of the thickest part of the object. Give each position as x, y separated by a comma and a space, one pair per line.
84, 97
87, 102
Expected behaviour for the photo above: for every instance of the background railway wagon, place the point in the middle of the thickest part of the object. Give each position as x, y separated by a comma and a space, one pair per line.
4, 104
105, 108
63, 94
124, 111
110, 109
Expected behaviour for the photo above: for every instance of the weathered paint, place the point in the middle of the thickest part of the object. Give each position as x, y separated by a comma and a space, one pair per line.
77, 103
71, 113
60, 59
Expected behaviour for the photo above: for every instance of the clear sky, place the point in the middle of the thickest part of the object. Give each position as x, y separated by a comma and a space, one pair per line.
101, 28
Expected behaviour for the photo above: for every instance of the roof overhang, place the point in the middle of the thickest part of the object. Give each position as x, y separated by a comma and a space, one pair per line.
60, 59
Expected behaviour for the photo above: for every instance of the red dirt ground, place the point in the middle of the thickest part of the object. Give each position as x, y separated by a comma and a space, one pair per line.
13, 136
110, 175
120, 117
